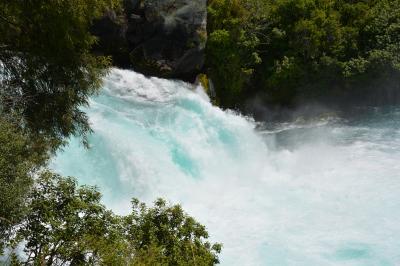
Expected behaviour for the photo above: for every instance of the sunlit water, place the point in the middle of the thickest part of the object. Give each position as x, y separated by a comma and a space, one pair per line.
320, 193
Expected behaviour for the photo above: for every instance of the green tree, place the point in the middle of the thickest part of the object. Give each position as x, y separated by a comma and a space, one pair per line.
67, 224
231, 49
166, 235
47, 72
18, 162
46, 66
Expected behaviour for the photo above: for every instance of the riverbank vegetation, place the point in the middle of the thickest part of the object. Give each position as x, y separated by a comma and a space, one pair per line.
292, 51
67, 224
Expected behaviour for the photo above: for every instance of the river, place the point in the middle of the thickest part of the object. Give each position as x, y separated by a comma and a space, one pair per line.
321, 192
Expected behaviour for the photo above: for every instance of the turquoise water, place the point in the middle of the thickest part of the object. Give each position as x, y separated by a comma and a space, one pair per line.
325, 192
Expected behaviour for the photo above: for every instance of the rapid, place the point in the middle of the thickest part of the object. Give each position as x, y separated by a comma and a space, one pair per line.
321, 192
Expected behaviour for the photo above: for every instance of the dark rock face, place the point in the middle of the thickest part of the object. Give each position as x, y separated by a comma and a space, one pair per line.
163, 38
111, 32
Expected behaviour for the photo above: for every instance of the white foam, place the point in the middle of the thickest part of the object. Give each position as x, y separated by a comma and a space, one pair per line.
321, 195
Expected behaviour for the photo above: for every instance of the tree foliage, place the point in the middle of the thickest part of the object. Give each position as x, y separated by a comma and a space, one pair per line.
231, 48
47, 69
307, 50
67, 224
166, 235
18, 162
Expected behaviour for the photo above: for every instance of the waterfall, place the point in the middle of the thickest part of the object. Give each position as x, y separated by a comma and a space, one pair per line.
320, 193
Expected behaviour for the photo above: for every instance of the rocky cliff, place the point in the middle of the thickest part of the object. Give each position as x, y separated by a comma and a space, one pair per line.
164, 38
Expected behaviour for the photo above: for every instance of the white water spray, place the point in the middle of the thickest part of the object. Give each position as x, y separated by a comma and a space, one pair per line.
328, 194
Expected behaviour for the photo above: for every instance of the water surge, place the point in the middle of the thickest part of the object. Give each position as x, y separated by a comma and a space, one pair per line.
321, 193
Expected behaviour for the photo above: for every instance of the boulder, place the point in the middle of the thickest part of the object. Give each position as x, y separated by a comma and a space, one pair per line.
164, 38
168, 37
111, 33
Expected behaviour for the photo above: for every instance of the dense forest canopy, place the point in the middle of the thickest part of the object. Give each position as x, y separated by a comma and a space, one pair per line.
299, 50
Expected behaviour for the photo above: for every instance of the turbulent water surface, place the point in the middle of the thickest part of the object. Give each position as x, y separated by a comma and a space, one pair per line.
321, 193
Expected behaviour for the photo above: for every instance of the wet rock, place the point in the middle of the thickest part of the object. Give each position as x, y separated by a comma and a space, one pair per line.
164, 38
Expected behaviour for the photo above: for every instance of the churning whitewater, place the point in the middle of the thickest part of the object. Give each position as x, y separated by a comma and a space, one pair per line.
323, 193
